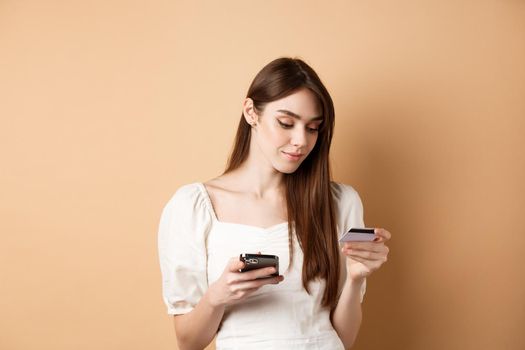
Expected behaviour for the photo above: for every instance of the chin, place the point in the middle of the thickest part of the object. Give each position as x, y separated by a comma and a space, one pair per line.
287, 169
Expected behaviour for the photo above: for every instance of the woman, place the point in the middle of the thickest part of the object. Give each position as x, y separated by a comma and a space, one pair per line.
275, 197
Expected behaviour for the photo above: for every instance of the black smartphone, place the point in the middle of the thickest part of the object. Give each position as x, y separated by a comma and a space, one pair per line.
259, 261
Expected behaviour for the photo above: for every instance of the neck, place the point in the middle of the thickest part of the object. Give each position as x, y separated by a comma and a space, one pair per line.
258, 177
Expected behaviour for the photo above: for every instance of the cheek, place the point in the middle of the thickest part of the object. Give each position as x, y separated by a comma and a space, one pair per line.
276, 136
312, 141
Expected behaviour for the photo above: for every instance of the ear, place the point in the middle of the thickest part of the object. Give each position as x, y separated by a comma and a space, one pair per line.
248, 111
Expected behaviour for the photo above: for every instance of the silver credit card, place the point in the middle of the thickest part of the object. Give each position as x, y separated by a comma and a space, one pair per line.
358, 235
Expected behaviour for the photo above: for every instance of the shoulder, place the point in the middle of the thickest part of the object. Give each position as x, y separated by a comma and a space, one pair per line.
186, 213
187, 197
348, 206
344, 193
189, 190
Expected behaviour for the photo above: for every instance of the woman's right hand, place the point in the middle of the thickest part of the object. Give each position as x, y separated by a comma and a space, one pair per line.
233, 285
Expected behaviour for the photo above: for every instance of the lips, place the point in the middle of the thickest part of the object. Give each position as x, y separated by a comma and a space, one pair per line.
293, 156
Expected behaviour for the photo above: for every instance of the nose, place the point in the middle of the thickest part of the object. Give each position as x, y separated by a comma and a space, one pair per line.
299, 138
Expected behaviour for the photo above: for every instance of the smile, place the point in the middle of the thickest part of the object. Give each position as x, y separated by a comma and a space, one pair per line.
293, 157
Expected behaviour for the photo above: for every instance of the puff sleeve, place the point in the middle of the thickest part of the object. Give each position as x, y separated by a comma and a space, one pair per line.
183, 228
349, 213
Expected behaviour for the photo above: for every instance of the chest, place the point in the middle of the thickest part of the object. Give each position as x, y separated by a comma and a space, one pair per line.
230, 208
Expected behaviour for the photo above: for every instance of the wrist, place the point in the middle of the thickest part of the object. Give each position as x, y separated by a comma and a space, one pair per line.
213, 299
356, 282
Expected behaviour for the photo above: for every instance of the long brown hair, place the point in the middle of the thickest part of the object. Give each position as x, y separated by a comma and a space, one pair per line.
308, 191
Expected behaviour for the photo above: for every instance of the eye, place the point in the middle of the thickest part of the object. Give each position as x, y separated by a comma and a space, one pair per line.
286, 126
312, 130
315, 128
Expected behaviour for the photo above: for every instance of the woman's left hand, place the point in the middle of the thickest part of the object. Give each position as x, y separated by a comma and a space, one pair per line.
363, 258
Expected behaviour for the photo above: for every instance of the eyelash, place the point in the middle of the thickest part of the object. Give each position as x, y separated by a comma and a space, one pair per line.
287, 126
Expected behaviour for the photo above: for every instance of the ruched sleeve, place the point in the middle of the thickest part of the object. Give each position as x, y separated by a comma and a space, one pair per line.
183, 228
349, 213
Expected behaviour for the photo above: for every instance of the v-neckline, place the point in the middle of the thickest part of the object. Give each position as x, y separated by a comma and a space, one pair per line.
216, 219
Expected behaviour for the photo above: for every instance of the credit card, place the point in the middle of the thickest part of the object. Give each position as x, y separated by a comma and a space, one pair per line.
358, 235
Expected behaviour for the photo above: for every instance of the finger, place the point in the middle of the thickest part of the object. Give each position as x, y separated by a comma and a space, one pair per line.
241, 294
370, 246
256, 284
361, 245
370, 264
249, 291
383, 234
364, 254
235, 265
257, 273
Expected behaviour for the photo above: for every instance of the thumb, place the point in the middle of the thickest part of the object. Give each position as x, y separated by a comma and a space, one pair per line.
235, 264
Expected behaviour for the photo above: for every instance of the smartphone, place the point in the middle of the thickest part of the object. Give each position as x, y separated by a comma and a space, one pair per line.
259, 261
359, 235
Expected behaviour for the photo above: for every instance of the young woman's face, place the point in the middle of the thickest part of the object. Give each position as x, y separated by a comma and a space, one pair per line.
287, 130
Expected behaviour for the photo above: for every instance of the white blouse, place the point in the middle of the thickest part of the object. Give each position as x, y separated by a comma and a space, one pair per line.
194, 248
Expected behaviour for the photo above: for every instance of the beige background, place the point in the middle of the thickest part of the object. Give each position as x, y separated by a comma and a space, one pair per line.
107, 107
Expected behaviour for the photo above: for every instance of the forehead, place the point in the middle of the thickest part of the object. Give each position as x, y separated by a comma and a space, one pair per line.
302, 102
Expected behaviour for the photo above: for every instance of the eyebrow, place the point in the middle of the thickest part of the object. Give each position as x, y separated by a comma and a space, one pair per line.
296, 116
